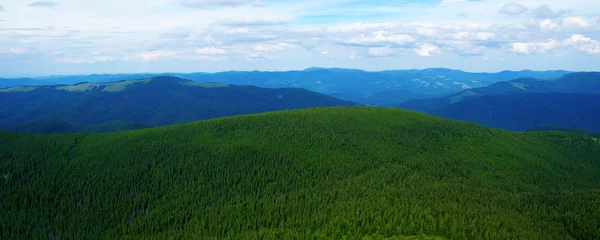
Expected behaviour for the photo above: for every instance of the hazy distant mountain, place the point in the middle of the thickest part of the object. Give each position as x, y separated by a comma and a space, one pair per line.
13, 82
583, 82
150, 102
571, 101
350, 84
521, 112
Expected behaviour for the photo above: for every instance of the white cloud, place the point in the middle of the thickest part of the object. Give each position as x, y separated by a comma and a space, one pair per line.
575, 21
534, 47
427, 50
210, 51
548, 24
428, 32
544, 12
380, 38
482, 36
273, 47
154, 55
325, 53
217, 3
252, 21
43, 4
513, 9
16, 51
584, 44
380, 51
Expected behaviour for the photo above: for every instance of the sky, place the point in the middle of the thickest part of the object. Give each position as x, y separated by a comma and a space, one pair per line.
63, 37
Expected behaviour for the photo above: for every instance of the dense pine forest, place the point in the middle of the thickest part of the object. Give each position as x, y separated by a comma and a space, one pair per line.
322, 173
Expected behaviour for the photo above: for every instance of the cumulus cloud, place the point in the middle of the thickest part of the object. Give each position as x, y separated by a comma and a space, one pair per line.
548, 24
154, 55
252, 21
513, 9
217, 3
584, 44
575, 21
210, 51
273, 47
427, 50
545, 12
528, 48
576, 41
482, 36
380, 39
43, 4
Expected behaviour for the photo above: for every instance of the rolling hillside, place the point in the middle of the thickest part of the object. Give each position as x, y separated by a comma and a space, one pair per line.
323, 173
152, 102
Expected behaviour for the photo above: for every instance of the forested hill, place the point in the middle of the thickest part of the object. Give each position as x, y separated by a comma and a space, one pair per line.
152, 102
323, 173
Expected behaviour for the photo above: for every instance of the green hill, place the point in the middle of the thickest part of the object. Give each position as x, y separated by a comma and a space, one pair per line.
323, 173
151, 102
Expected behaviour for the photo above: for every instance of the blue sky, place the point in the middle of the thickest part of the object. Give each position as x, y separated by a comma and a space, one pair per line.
114, 36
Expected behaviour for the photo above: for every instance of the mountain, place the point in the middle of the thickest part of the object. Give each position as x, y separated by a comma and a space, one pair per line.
151, 102
349, 84
14, 82
323, 173
520, 112
396, 97
570, 101
582, 82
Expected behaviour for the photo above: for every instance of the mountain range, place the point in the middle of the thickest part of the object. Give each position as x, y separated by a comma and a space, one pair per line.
349, 84
155, 101
570, 101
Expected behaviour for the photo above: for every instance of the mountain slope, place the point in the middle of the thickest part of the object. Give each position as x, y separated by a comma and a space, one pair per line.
153, 102
520, 112
322, 173
570, 102
582, 82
